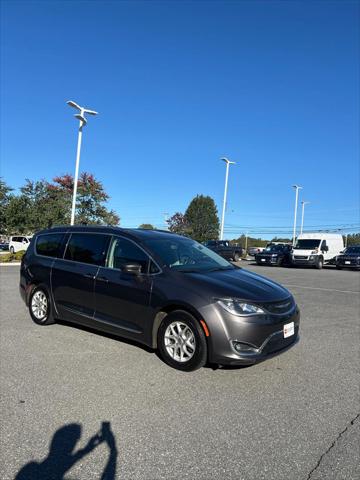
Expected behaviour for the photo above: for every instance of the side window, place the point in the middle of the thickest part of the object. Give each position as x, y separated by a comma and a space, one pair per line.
87, 248
124, 251
49, 245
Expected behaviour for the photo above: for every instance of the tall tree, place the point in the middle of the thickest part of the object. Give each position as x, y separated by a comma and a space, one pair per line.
5, 197
202, 218
177, 223
147, 226
91, 197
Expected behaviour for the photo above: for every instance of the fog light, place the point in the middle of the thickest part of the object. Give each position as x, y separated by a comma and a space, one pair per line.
243, 347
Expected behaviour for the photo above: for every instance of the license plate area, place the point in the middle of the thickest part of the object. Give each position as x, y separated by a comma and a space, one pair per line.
288, 329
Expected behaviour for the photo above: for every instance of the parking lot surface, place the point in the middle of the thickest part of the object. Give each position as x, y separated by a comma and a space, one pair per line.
295, 416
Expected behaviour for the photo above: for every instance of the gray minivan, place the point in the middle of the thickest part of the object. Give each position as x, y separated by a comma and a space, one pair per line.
160, 289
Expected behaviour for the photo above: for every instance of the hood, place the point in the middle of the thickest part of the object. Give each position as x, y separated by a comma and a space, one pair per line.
237, 283
354, 255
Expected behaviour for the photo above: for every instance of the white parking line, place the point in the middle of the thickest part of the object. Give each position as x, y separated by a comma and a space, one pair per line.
324, 289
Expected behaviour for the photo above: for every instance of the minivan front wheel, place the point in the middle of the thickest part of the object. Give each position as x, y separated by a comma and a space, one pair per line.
182, 342
40, 307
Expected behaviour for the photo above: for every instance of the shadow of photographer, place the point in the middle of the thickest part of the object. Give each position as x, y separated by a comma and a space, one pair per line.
62, 455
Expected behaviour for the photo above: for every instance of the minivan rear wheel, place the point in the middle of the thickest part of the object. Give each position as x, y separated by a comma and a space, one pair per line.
182, 342
40, 307
12, 250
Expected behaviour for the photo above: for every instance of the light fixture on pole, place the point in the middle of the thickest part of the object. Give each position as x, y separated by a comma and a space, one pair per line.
228, 163
297, 188
302, 215
82, 122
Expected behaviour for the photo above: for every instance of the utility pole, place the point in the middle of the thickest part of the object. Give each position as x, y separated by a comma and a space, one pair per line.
228, 163
302, 215
297, 188
82, 122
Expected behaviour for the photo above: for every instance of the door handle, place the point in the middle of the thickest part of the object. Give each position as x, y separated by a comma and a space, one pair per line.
103, 279
89, 275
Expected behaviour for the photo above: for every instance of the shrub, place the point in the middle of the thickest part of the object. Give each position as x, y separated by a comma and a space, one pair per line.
12, 257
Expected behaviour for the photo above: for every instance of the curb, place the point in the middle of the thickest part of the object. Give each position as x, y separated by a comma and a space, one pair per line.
10, 264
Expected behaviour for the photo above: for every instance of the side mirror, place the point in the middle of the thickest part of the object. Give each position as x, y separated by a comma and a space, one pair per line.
132, 268
325, 248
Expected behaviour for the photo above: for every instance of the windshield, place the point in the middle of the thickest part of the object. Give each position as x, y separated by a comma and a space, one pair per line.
307, 244
186, 255
274, 248
353, 250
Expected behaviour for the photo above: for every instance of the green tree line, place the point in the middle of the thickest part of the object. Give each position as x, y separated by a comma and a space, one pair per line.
42, 204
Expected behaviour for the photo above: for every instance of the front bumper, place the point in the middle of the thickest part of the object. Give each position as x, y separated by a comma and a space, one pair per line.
310, 260
262, 332
266, 260
348, 262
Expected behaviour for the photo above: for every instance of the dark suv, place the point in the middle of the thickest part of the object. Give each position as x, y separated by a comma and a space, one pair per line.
349, 258
163, 290
275, 254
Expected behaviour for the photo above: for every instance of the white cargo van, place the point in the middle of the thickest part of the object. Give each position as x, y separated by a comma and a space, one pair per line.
315, 249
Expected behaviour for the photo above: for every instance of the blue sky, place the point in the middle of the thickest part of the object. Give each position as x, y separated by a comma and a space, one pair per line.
273, 85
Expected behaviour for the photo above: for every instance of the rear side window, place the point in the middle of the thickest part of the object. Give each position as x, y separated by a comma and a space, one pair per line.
87, 248
49, 245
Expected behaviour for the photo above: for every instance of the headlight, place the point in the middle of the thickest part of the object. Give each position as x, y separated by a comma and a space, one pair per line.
237, 307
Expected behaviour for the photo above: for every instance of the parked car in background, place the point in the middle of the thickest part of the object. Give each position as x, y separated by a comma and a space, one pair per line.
349, 258
315, 249
254, 250
160, 289
4, 246
275, 254
19, 243
225, 249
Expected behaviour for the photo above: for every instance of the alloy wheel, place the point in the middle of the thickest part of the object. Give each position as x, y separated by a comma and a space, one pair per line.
39, 305
180, 342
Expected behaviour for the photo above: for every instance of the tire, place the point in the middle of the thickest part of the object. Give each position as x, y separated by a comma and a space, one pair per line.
236, 257
338, 267
183, 322
40, 307
320, 263
258, 263
12, 250
279, 262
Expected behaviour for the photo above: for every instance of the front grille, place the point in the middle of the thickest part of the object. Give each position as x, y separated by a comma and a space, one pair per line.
278, 342
300, 257
352, 260
280, 307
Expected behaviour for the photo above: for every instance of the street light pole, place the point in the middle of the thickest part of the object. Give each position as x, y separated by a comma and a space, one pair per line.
82, 122
302, 215
228, 163
297, 188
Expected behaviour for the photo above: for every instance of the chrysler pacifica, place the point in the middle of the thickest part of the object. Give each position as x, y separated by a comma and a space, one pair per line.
160, 289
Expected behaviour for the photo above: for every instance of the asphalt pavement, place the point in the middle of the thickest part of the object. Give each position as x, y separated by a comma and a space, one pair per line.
295, 416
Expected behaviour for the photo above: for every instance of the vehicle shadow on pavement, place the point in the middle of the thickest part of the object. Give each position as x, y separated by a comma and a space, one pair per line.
62, 455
